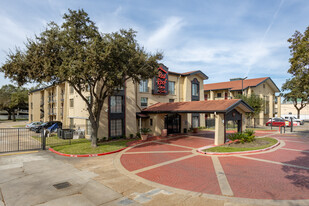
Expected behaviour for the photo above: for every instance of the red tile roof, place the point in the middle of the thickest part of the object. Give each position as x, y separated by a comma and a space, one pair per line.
196, 106
235, 85
189, 73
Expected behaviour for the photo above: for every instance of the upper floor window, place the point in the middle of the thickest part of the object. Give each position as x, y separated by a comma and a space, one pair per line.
206, 97
171, 100
171, 87
71, 102
116, 104
71, 89
144, 101
219, 95
195, 88
143, 86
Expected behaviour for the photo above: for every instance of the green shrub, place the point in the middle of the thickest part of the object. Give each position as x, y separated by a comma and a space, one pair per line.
138, 135
247, 136
131, 136
249, 132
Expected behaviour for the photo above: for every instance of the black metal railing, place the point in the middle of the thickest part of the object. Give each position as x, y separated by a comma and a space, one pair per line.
18, 139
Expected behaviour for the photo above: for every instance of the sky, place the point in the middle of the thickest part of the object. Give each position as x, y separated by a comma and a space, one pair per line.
222, 38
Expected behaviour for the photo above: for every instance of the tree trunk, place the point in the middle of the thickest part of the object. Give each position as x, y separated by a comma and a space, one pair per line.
14, 117
298, 113
9, 115
94, 134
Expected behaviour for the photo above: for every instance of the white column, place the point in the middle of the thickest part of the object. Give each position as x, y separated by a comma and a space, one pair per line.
219, 129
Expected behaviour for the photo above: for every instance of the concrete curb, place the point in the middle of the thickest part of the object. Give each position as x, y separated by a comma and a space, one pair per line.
86, 155
233, 153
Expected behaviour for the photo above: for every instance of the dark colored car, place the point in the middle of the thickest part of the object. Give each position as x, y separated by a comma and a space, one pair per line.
47, 125
278, 122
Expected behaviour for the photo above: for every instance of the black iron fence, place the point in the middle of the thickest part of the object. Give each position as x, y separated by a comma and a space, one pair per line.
18, 139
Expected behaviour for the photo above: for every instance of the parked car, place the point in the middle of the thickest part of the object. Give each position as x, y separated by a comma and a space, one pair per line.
47, 125
278, 122
288, 117
33, 125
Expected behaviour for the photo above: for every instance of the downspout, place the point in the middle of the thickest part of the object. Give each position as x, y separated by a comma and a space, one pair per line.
140, 119
178, 79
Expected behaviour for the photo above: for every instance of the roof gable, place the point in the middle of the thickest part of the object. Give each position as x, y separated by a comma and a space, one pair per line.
237, 85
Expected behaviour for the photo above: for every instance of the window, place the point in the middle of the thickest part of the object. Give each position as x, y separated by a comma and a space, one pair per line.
206, 97
144, 101
263, 86
143, 86
71, 102
194, 89
195, 121
71, 90
150, 122
116, 104
31, 105
219, 95
171, 87
116, 128
31, 117
171, 100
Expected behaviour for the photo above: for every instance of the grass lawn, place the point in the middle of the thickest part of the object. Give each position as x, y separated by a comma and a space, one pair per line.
19, 126
85, 147
267, 142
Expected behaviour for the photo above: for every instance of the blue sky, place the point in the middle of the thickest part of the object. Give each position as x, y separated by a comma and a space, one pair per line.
223, 38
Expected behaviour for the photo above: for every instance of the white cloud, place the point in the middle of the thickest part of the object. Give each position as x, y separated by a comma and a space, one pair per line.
164, 37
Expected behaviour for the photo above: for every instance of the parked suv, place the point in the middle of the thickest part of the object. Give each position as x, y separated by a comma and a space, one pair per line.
288, 117
47, 125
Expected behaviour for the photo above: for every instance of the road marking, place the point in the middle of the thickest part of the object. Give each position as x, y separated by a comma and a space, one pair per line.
274, 162
163, 163
176, 145
17, 153
296, 150
222, 179
154, 152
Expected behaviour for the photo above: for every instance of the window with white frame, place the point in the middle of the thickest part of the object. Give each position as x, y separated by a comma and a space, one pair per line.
116, 104
143, 86
194, 89
171, 87
144, 101
116, 128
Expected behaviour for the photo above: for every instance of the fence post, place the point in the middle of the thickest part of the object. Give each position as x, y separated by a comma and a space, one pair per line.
18, 139
43, 139
271, 124
291, 124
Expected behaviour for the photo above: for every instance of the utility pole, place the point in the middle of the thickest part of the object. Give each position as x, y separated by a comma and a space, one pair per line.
242, 85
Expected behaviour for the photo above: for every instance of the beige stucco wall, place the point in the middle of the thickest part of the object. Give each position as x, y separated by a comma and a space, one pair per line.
286, 109
79, 113
267, 92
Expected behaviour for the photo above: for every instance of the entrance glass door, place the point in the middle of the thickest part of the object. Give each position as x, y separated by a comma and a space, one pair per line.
172, 123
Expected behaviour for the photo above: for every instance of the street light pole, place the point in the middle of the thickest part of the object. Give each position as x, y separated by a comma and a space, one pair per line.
242, 85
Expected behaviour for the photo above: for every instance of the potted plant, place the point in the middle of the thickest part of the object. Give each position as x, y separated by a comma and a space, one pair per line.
195, 130
144, 133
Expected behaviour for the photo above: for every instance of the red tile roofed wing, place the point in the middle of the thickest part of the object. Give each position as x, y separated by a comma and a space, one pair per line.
234, 85
200, 106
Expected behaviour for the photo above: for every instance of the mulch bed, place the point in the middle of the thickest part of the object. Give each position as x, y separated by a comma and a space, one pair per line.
256, 143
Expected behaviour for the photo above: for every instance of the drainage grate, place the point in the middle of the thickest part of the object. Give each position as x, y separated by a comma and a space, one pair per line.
62, 185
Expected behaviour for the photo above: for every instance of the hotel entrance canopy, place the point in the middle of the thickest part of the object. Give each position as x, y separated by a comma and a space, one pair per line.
211, 106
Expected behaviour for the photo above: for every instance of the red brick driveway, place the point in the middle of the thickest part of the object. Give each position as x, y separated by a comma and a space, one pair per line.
278, 174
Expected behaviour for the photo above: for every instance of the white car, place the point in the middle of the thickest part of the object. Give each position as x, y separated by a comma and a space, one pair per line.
288, 117
33, 125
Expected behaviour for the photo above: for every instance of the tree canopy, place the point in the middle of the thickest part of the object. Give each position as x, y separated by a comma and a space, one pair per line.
13, 98
297, 88
76, 52
255, 102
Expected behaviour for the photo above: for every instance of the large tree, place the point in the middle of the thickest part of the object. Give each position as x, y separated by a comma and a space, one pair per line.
76, 52
296, 92
255, 102
297, 88
13, 98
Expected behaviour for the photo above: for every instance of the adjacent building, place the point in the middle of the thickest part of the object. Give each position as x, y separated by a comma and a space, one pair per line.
264, 87
122, 113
